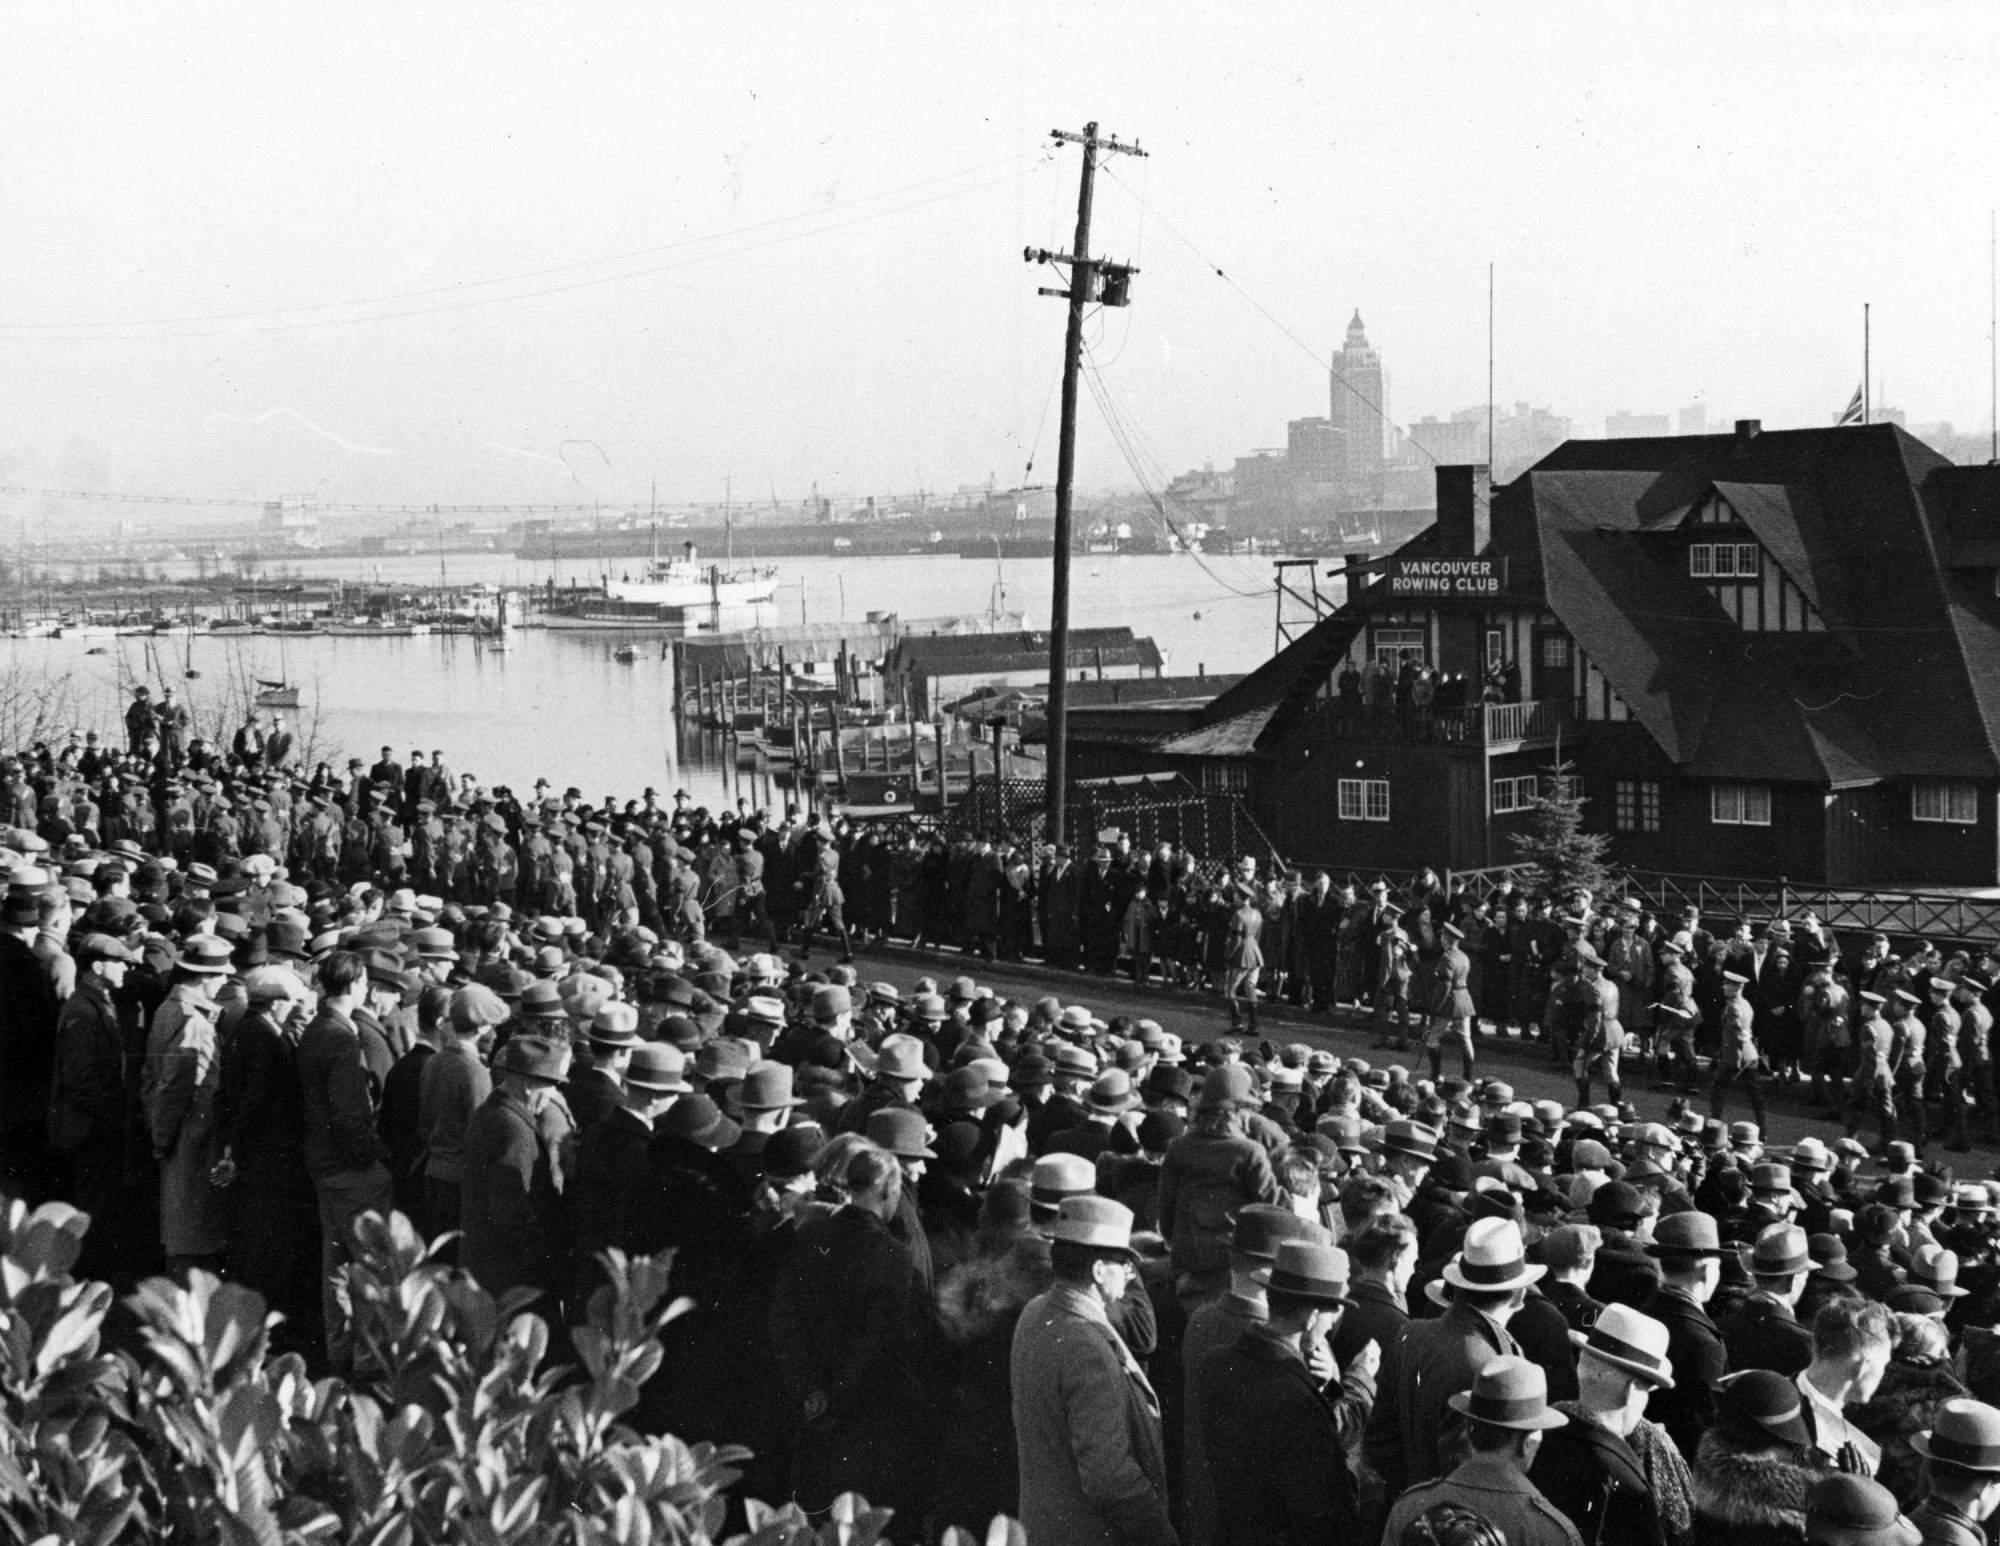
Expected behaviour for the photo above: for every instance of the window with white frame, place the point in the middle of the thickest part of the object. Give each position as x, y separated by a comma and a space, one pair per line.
1395, 645
1636, 804
1944, 799
1740, 805
1364, 799
1515, 794
1725, 561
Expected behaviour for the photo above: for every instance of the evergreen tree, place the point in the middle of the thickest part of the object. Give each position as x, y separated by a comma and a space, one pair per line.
1562, 856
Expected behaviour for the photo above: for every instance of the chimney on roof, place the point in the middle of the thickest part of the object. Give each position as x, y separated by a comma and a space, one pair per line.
1464, 510
1748, 430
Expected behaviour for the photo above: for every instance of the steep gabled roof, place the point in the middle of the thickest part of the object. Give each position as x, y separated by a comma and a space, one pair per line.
1868, 522
1788, 524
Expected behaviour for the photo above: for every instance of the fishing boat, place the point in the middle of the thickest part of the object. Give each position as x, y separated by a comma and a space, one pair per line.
276, 695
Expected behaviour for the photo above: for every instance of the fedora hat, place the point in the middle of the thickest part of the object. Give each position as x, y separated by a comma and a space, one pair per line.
700, 1121
1074, 1062
533, 1057
1693, 1233
1261, 1228
1966, 1435
767, 1087
1627, 1340
205, 955
1112, 1094
1846, 1510
901, 1057
1493, 1258
1411, 1138
1056, 1176
542, 1001
1096, 1222
971, 1089
1936, 1268
658, 1066
764, 1008
1510, 1392
1306, 1269
1781, 1251
902, 1132
615, 1025
724, 1058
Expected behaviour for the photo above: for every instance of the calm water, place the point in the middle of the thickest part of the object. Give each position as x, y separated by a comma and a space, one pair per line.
557, 705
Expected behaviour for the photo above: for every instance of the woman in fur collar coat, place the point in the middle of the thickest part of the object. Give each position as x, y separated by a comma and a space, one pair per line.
1755, 1466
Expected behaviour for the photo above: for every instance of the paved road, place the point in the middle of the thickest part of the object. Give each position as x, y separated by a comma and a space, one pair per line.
1202, 1017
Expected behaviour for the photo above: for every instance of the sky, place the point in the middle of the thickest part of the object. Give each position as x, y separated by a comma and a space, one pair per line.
484, 252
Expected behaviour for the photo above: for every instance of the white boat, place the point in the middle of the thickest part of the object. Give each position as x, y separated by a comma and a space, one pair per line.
685, 582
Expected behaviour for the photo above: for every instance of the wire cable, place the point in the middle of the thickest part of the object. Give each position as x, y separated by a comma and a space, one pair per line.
457, 286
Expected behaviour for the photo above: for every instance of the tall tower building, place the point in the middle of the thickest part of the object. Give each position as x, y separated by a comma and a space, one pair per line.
1358, 398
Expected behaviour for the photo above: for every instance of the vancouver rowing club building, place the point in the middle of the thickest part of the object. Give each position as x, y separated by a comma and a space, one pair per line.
1763, 653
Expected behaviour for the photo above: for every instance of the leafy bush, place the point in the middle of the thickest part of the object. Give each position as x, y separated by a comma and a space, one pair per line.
461, 1433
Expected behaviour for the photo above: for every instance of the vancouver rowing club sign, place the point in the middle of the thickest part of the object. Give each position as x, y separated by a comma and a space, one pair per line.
1444, 577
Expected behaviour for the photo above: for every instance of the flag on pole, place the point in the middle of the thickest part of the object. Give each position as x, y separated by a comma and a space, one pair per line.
1851, 414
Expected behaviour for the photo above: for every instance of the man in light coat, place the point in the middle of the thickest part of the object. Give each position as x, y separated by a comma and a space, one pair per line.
1092, 1460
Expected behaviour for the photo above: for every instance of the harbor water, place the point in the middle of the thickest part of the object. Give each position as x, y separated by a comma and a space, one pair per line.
559, 705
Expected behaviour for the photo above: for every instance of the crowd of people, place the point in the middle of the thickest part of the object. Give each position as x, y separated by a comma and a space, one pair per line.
970, 1255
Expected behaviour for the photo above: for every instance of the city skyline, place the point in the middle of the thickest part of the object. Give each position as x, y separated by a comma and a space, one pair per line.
274, 255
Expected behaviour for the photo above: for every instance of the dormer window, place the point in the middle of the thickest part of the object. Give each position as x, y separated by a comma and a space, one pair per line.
1725, 561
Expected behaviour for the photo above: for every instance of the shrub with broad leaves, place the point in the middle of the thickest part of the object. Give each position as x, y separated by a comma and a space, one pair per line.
462, 1431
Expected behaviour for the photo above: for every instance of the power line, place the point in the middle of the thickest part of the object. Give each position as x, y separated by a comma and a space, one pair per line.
136, 332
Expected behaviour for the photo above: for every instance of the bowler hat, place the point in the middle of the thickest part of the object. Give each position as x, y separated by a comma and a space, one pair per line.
1830, 1251
1096, 1222
1843, 1510
1510, 1392
1492, 1258
658, 1066
1308, 1269
831, 1002
1965, 1436
1627, 1340
1166, 1083
901, 1131
1617, 1204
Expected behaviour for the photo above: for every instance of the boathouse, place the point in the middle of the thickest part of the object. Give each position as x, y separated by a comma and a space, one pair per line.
925, 672
1762, 653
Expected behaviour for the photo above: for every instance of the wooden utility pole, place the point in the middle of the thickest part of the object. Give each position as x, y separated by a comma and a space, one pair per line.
1090, 279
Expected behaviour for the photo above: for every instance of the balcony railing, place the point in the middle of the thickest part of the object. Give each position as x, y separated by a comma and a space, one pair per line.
1478, 724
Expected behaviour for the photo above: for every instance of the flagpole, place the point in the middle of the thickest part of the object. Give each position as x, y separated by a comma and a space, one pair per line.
1865, 404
